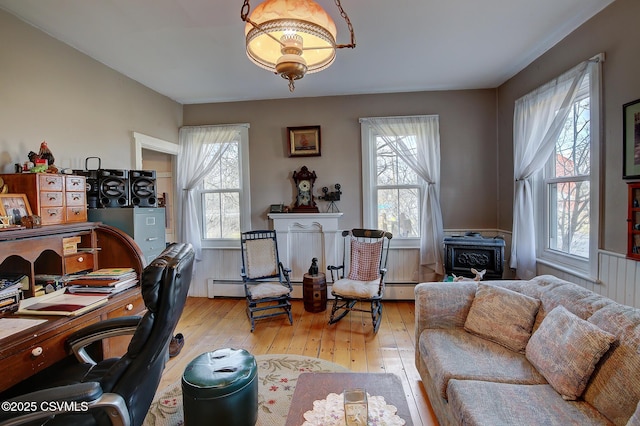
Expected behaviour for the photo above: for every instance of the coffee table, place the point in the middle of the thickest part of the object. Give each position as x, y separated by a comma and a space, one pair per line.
316, 386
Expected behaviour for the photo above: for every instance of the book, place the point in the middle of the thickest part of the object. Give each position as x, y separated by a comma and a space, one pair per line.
110, 272
61, 303
104, 277
112, 289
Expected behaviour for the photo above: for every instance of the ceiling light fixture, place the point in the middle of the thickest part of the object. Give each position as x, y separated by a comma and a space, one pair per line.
292, 37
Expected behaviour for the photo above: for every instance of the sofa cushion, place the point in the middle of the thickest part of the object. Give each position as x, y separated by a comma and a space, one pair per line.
566, 349
457, 354
554, 291
614, 388
502, 316
486, 403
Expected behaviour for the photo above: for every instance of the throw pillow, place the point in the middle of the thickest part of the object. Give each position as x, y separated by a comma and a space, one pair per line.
503, 316
566, 349
365, 260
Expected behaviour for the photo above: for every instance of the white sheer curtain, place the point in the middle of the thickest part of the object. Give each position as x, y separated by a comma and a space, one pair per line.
426, 164
200, 148
537, 121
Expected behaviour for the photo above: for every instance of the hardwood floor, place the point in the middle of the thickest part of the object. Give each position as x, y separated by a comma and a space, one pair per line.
210, 324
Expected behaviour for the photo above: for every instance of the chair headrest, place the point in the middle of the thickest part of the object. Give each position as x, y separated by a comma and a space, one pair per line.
176, 258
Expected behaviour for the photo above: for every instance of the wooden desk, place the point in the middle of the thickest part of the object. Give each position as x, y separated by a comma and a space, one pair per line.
19, 352
40, 251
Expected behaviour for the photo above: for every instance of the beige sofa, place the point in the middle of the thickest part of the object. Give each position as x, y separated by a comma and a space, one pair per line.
538, 352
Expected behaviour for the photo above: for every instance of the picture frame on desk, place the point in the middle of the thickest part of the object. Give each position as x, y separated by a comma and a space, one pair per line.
15, 205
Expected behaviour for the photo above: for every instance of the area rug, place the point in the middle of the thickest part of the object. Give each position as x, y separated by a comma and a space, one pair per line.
277, 375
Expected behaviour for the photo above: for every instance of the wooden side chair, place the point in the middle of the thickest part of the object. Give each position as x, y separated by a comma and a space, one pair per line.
365, 257
267, 286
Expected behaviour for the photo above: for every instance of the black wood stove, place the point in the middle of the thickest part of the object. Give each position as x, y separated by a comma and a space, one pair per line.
474, 251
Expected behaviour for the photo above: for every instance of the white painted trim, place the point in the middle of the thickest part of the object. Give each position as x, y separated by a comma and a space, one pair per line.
141, 141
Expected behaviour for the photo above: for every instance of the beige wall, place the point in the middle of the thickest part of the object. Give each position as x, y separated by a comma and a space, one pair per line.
468, 150
50, 91
82, 108
614, 31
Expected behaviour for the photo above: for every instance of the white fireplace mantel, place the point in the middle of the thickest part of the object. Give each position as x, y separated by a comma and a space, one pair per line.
303, 236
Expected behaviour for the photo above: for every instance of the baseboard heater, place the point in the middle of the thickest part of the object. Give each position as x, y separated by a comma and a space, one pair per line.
232, 288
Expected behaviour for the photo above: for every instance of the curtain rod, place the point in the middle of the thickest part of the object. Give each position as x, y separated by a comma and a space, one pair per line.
597, 58
247, 125
363, 119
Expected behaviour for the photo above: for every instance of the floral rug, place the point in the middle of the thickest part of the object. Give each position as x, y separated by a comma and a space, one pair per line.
277, 375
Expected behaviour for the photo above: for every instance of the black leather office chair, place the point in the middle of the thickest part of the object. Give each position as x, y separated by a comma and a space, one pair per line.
115, 391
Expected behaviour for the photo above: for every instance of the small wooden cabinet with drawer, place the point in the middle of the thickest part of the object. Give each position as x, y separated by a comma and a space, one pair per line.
55, 198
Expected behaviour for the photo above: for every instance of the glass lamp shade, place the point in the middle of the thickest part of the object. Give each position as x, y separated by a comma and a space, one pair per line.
282, 21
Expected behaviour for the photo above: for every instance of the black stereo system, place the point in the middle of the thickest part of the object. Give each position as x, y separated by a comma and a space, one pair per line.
142, 185
115, 188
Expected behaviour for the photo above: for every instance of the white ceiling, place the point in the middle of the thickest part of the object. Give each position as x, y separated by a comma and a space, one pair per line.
193, 50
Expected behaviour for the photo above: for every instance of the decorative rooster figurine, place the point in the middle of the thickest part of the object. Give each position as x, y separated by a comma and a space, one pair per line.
46, 154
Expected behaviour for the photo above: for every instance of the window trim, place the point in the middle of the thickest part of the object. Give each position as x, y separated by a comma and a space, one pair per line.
562, 261
244, 196
369, 193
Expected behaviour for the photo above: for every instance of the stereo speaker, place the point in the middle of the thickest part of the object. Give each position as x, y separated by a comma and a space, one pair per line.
113, 187
142, 185
93, 192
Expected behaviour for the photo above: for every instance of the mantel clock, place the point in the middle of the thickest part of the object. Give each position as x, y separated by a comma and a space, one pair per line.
304, 180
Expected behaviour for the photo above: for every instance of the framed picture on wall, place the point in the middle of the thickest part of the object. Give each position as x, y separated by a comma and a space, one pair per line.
631, 137
304, 141
14, 205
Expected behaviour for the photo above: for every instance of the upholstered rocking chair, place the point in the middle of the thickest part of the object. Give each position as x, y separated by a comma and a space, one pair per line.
365, 257
267, 286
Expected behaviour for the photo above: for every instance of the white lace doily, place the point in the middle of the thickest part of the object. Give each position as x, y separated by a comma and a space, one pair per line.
330, 412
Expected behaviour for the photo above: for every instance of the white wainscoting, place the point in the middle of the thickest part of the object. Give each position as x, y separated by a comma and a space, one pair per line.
618, 278
218, 274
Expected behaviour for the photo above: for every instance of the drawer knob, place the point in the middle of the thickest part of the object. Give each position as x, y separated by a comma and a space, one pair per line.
80, 259
36, 352
129, 307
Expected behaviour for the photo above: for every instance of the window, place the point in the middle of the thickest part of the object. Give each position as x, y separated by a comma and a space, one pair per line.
569, 186
397, 191
224, 192
220, 193
400, 155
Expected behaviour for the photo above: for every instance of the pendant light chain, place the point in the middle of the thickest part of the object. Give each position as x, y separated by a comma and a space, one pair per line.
348, 21
244, 12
